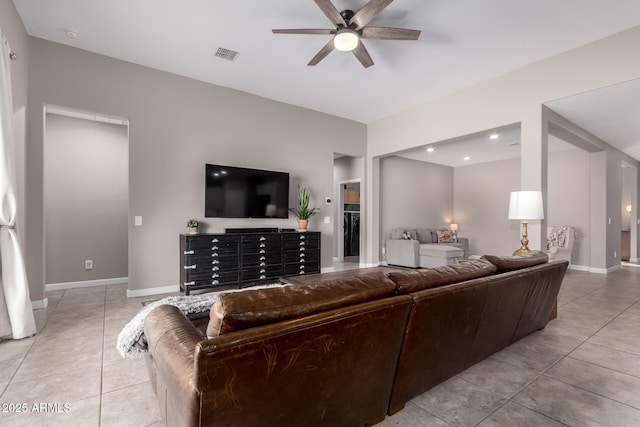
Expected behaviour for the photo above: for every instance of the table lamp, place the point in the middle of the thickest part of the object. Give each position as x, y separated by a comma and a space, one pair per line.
454, 231
525, 206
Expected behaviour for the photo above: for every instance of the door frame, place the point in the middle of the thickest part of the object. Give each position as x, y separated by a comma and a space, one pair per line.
341, 217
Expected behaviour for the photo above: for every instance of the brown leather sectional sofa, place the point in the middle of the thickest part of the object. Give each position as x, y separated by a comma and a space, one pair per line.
342, 352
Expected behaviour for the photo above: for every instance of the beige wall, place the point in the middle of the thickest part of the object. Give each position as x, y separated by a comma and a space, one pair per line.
414, 194
86, 196
516, 97
176, 126
568, 198
482, 205
14, 31
628, 185
482, 202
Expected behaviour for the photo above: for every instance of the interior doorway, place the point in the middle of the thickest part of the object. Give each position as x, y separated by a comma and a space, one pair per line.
348, 211
86, 199
349, 238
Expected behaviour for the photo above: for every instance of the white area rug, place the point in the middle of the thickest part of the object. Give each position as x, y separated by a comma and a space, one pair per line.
131, 341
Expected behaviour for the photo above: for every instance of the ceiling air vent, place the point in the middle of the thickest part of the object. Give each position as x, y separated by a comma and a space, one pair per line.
227, 54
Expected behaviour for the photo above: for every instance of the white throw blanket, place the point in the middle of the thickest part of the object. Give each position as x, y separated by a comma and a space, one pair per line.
131, 341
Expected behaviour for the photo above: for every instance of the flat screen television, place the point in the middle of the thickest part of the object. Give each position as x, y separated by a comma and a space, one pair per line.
232, 192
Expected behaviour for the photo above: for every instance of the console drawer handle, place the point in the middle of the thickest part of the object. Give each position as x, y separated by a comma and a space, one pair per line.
262, 245
262, 264
215, 254
262, 251
215, 275
189, 252
301, 243
262, 239
215, 269
301, 249
190, 267
301, 237
263, 271
301, 272
215, 282
214, 241
215, 248
189, 283
302, 267
262, 258
215, 261
263, 276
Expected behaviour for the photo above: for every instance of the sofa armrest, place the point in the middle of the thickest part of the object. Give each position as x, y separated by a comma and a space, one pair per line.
465, 242
172, 341
403, 252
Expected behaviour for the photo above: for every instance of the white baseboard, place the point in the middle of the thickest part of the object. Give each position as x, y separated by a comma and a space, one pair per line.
369, 265
40, 304
635, 260
152, 291
85, 284
605, 270
327, 270
579, 267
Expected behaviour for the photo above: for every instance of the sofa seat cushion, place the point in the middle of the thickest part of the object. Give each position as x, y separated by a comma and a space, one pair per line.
517, 262
242, 310
412, 281
441, 251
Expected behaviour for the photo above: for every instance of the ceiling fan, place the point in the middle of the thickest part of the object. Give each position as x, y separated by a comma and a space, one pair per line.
351, 27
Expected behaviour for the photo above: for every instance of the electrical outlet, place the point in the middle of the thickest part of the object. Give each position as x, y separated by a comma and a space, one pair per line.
88, 264
615, 254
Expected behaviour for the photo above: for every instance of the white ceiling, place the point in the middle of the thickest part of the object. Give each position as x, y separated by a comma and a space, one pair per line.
463, 42
611, 113
479, 148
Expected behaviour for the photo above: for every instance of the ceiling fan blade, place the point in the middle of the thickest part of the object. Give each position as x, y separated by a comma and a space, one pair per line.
388, 33
362, 54
369, 12
326, 50
304, 31
331, 12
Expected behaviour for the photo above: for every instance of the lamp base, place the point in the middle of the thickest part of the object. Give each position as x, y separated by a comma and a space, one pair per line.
522, 251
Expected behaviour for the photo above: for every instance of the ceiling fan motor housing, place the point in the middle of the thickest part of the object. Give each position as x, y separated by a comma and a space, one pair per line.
347, 15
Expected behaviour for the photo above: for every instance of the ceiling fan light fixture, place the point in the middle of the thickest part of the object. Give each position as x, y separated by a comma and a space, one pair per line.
346, 40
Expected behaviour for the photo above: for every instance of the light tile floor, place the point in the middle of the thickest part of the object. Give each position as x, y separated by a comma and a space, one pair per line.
583, 369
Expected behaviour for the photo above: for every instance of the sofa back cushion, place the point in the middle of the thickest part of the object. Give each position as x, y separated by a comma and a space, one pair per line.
417, 280
243, 310
517, 262
425, 235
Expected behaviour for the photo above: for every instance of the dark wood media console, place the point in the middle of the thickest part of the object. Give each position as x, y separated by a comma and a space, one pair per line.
241, 259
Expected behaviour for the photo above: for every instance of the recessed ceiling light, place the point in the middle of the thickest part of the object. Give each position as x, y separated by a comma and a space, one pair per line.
494, 136
467, 158
430, 150
71, 33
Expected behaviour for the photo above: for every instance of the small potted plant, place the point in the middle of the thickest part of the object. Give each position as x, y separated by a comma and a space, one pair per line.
193, 225
303, 212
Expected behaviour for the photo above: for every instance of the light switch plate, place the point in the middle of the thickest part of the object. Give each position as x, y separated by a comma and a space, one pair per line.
137, 221
327, 220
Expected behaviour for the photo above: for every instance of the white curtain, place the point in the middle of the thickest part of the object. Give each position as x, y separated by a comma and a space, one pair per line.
16, 313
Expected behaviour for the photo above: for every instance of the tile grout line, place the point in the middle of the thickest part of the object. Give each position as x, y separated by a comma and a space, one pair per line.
558, 361
35, 337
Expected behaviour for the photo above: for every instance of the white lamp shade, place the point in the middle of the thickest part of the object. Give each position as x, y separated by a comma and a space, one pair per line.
346, 40
526, 205
453, 227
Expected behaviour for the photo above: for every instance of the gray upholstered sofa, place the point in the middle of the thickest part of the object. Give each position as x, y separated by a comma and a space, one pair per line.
423, 249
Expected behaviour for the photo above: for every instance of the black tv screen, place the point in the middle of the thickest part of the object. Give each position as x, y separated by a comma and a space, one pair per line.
233, 192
